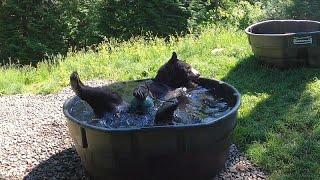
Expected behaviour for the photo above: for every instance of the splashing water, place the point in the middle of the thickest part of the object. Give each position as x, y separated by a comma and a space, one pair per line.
201, 107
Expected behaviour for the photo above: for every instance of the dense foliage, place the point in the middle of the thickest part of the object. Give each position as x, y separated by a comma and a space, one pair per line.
33, 30
80, 19
30, 30
127, 18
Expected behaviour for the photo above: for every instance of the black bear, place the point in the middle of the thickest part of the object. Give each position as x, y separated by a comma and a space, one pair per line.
166, 85
172, 75
101, 100
164, 115
176, 73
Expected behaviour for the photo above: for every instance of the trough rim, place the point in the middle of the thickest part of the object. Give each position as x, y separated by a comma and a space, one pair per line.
247, 30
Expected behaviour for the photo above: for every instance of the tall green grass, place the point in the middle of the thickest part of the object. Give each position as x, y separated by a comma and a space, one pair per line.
133, 59
279, 119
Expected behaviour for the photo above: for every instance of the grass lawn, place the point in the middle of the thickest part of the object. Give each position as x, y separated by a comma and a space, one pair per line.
279, 119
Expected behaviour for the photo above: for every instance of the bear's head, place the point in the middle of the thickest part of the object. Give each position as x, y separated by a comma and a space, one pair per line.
177, 73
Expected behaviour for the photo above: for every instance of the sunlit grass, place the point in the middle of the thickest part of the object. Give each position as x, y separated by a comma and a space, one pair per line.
134, 59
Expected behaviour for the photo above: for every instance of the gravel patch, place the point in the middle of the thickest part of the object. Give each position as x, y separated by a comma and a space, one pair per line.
239, 167
35, 143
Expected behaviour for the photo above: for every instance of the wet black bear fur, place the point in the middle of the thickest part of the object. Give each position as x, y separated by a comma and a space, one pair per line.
177, 73
101, 100
173, 74
167, 84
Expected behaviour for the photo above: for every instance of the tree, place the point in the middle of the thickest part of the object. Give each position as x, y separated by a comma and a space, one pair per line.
125, 19
81, 18
30, 30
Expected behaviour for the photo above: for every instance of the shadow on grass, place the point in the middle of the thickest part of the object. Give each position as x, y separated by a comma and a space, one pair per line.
278, 117
63, 165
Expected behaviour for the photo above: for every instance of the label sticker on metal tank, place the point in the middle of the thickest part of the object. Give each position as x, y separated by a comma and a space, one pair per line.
302, 40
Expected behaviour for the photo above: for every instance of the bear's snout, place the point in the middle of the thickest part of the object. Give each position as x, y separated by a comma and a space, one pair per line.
195, 73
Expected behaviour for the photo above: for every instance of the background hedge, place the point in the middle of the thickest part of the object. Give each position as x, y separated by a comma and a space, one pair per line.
34, 30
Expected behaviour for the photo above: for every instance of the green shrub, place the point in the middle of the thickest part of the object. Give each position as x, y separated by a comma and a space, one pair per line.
292, 9
124, 19
80, 19
245, 13
30, 30
202, 12
237, 13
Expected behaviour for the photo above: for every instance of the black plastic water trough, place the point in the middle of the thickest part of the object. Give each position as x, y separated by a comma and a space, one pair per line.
170, 152
286, 42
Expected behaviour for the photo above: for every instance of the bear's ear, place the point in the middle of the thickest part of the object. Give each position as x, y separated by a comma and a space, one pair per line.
174, 58
74, 76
